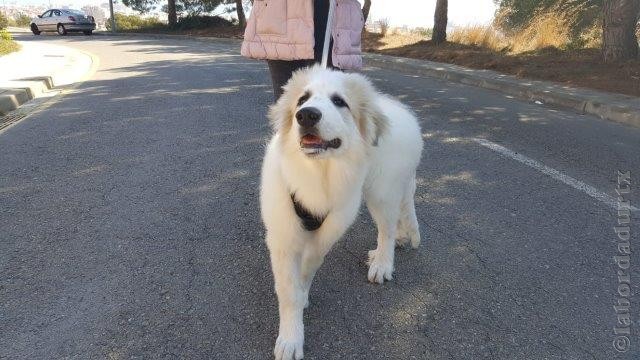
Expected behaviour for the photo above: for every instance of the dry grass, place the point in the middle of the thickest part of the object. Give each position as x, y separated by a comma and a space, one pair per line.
393, 40
549, 29
478, 35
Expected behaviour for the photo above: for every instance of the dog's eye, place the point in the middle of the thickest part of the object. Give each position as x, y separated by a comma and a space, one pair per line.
304, 98
338, 101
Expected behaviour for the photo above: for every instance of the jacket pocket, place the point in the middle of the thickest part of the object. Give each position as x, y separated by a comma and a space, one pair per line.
271, 17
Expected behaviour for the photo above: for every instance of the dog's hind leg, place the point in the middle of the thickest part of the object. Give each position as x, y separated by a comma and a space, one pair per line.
286, 265
385, 211
408, 228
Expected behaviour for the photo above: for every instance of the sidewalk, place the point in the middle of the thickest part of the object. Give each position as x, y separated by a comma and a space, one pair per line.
608, 106
39, 70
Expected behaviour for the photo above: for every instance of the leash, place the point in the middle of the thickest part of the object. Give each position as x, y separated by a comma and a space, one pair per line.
327, 33
311, 222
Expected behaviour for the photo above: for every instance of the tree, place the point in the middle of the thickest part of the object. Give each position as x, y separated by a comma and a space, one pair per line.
191, 7
365, 9
440, 22
619, 41
4, 20
242, 20
172, 16
147, 5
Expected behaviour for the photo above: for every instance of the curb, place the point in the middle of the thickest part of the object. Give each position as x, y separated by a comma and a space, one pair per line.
18, 92
173, 36
619, 108
12, 98
613, 107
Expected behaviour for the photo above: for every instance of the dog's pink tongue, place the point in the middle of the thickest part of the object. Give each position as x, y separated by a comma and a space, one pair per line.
311, 140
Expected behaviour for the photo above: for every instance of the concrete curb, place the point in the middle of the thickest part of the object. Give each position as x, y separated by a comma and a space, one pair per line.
614, 107
12, 98
173, 36
15, 93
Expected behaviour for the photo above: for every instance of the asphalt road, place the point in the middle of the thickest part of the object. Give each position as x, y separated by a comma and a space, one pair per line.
129, 224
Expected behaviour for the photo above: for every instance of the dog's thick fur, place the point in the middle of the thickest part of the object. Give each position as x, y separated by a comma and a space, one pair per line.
380, 148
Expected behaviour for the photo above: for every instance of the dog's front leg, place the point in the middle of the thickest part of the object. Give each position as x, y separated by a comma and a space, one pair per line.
286, 266
312, 258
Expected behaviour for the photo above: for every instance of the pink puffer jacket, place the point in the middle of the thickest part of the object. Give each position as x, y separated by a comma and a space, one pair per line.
283, 30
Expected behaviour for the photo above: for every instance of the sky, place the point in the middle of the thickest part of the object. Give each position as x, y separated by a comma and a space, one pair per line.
412, 13
419, 13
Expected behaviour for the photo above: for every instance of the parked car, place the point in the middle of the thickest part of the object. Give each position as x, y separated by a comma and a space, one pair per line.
63, 21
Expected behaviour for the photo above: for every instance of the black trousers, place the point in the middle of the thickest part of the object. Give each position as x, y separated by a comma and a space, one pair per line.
281, 70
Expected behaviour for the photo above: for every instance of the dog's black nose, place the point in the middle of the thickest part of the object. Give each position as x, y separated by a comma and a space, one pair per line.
308, 117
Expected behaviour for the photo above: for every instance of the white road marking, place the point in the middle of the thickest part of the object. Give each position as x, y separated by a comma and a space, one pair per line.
576, 184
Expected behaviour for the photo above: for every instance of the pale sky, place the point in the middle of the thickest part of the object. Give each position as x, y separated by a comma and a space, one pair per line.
399, 12
420, 12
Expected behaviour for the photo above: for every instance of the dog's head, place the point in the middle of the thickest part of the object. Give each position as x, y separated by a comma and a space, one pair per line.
327, 113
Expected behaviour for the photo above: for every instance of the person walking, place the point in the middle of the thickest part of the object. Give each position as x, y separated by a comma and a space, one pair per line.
290, 34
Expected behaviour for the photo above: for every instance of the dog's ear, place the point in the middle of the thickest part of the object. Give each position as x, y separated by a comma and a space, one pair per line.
282, 112
368, 114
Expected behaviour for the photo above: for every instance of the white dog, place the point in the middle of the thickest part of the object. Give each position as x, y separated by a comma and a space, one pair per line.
336, 139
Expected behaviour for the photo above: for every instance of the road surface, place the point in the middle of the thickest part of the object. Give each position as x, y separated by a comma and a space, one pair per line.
130, 228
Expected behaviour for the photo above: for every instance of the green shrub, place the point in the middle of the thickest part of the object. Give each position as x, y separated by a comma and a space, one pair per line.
5, 35
202, 22
22, 20
134, 22
7, 44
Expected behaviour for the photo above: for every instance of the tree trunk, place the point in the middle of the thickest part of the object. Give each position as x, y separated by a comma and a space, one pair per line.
171, 10
440, 22
365, 10
242, 20
620, 19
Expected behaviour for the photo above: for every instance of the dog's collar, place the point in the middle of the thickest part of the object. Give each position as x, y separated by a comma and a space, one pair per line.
310, 222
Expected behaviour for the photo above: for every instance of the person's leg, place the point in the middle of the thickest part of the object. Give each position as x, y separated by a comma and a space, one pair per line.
281, 71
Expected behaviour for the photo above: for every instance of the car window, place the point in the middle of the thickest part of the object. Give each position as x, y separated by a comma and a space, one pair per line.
57, 12
46, 13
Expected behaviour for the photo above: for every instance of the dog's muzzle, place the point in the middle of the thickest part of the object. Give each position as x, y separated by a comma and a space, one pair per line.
312, 141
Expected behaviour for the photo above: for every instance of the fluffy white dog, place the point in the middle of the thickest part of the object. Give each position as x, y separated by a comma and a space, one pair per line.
336, 140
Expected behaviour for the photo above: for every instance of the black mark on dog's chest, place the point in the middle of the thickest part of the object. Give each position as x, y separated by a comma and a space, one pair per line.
310, 222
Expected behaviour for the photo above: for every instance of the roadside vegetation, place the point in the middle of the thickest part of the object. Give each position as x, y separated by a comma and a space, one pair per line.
134, 22
21, 20
7, 45
202, 25
558, 40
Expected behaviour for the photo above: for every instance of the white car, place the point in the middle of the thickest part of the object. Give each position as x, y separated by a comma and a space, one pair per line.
63, 21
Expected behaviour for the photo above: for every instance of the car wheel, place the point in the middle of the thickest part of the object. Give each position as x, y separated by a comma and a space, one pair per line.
34, 29
61, 30
88, 32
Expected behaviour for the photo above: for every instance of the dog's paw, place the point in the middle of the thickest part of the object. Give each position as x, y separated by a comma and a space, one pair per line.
407, 234
402, 241
288, 348
380, 267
